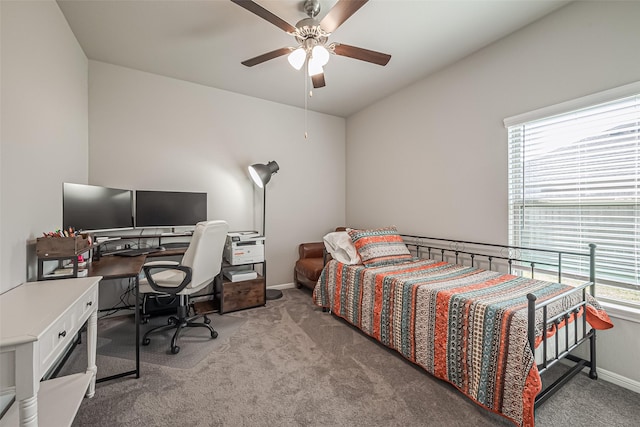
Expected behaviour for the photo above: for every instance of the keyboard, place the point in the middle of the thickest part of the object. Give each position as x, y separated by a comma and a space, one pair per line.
139, 251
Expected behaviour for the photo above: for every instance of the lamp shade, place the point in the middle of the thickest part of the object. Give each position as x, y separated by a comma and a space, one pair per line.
314, 67
320, 54
261, 174
297, 58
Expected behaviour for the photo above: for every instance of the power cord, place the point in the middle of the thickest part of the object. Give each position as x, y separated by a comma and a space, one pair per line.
123, 304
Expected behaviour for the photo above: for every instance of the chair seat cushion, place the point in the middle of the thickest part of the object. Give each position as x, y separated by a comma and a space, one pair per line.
310, 268
168, 278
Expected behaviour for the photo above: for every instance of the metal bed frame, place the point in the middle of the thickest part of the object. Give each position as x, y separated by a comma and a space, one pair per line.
429, 247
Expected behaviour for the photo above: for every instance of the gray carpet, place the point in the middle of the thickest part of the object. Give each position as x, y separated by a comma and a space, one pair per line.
289, 364
116, 338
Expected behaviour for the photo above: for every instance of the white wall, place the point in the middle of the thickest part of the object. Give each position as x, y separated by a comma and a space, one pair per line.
158, 133
44, 129
432, 159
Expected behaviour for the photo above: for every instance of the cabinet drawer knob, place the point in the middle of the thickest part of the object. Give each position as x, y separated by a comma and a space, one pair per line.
90, 303
62, 334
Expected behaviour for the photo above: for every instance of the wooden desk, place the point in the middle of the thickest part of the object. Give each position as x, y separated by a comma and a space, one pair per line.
168, 252
119, 267
38, 320
116, 267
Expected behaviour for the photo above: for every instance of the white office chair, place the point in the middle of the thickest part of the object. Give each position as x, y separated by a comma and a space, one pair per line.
200, 265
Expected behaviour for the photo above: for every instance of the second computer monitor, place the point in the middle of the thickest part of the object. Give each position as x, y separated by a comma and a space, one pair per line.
169, 208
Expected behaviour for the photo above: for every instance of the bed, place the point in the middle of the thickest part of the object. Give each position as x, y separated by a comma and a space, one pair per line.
446, 306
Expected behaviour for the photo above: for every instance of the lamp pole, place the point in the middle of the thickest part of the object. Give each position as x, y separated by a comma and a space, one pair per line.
271, 294
264, 212
261, 175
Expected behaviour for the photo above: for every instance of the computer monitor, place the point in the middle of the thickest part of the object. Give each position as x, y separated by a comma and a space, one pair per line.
95, 208
170, 208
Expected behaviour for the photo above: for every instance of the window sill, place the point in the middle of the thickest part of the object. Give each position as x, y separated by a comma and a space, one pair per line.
619, 311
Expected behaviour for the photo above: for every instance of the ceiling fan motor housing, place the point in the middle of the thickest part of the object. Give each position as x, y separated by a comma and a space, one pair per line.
311, 8
309, 28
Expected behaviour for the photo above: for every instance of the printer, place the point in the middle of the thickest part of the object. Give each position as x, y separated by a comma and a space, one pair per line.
244, 247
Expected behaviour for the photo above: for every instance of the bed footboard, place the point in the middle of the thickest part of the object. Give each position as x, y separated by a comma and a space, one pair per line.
574, 321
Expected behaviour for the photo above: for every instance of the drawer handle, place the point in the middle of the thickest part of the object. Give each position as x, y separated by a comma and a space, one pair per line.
62, 334
90, 303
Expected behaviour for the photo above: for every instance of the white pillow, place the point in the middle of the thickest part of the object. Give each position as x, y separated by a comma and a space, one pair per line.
341, 248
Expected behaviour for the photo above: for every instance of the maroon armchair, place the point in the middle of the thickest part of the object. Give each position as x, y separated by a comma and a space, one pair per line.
309, 265
311, 262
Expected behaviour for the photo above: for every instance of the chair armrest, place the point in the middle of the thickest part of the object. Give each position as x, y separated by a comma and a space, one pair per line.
147, 269
311, 250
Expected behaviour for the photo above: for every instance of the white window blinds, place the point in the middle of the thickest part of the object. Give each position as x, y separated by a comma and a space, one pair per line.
574, 179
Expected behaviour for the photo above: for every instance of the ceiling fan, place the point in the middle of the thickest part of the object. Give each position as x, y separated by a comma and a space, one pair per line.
312, 37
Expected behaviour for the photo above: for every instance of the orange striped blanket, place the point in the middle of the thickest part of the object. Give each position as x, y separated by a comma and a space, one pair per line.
465, 325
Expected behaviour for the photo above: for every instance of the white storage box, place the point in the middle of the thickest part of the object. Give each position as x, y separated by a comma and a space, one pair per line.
240, 275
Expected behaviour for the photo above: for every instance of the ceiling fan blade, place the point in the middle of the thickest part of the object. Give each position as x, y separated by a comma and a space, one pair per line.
361, 54
265, 14
318, 80
339, 13
266, 56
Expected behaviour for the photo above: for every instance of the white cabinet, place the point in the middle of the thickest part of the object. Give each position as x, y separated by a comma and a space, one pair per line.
38, 320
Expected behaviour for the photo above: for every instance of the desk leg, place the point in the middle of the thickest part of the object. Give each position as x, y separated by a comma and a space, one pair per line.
136, 371
137, 320
92, 340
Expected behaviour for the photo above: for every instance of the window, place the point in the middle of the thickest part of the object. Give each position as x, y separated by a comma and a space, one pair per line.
574, 179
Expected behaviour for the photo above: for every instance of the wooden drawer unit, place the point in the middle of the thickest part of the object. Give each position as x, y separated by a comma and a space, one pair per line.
234, 296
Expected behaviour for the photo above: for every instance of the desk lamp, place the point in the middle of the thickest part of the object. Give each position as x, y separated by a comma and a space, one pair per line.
261, 175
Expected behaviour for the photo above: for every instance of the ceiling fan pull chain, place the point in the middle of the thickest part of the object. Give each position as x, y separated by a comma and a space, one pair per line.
306, 102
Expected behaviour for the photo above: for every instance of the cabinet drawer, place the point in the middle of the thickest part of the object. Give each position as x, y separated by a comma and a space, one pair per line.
62, 332
55, 340
83, 308
239, 295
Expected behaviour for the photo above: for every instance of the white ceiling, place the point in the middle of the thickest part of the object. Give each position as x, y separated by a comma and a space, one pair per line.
204, 42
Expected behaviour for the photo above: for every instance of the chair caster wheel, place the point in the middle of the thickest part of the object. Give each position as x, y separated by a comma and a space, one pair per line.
146, 341
207, 320
175, 349
171, 321
214, 334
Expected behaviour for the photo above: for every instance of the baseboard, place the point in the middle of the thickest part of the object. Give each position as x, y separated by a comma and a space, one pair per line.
610, 377
282, 286
619, 380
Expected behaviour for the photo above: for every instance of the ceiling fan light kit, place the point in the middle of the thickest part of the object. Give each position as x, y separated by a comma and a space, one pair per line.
312, 37
297, 58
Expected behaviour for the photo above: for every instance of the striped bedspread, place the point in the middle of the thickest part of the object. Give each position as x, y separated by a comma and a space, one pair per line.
462, 324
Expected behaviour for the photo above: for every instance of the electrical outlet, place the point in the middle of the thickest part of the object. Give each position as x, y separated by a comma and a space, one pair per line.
127, 246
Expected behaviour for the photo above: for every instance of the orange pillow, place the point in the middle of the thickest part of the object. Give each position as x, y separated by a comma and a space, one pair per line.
380, 246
